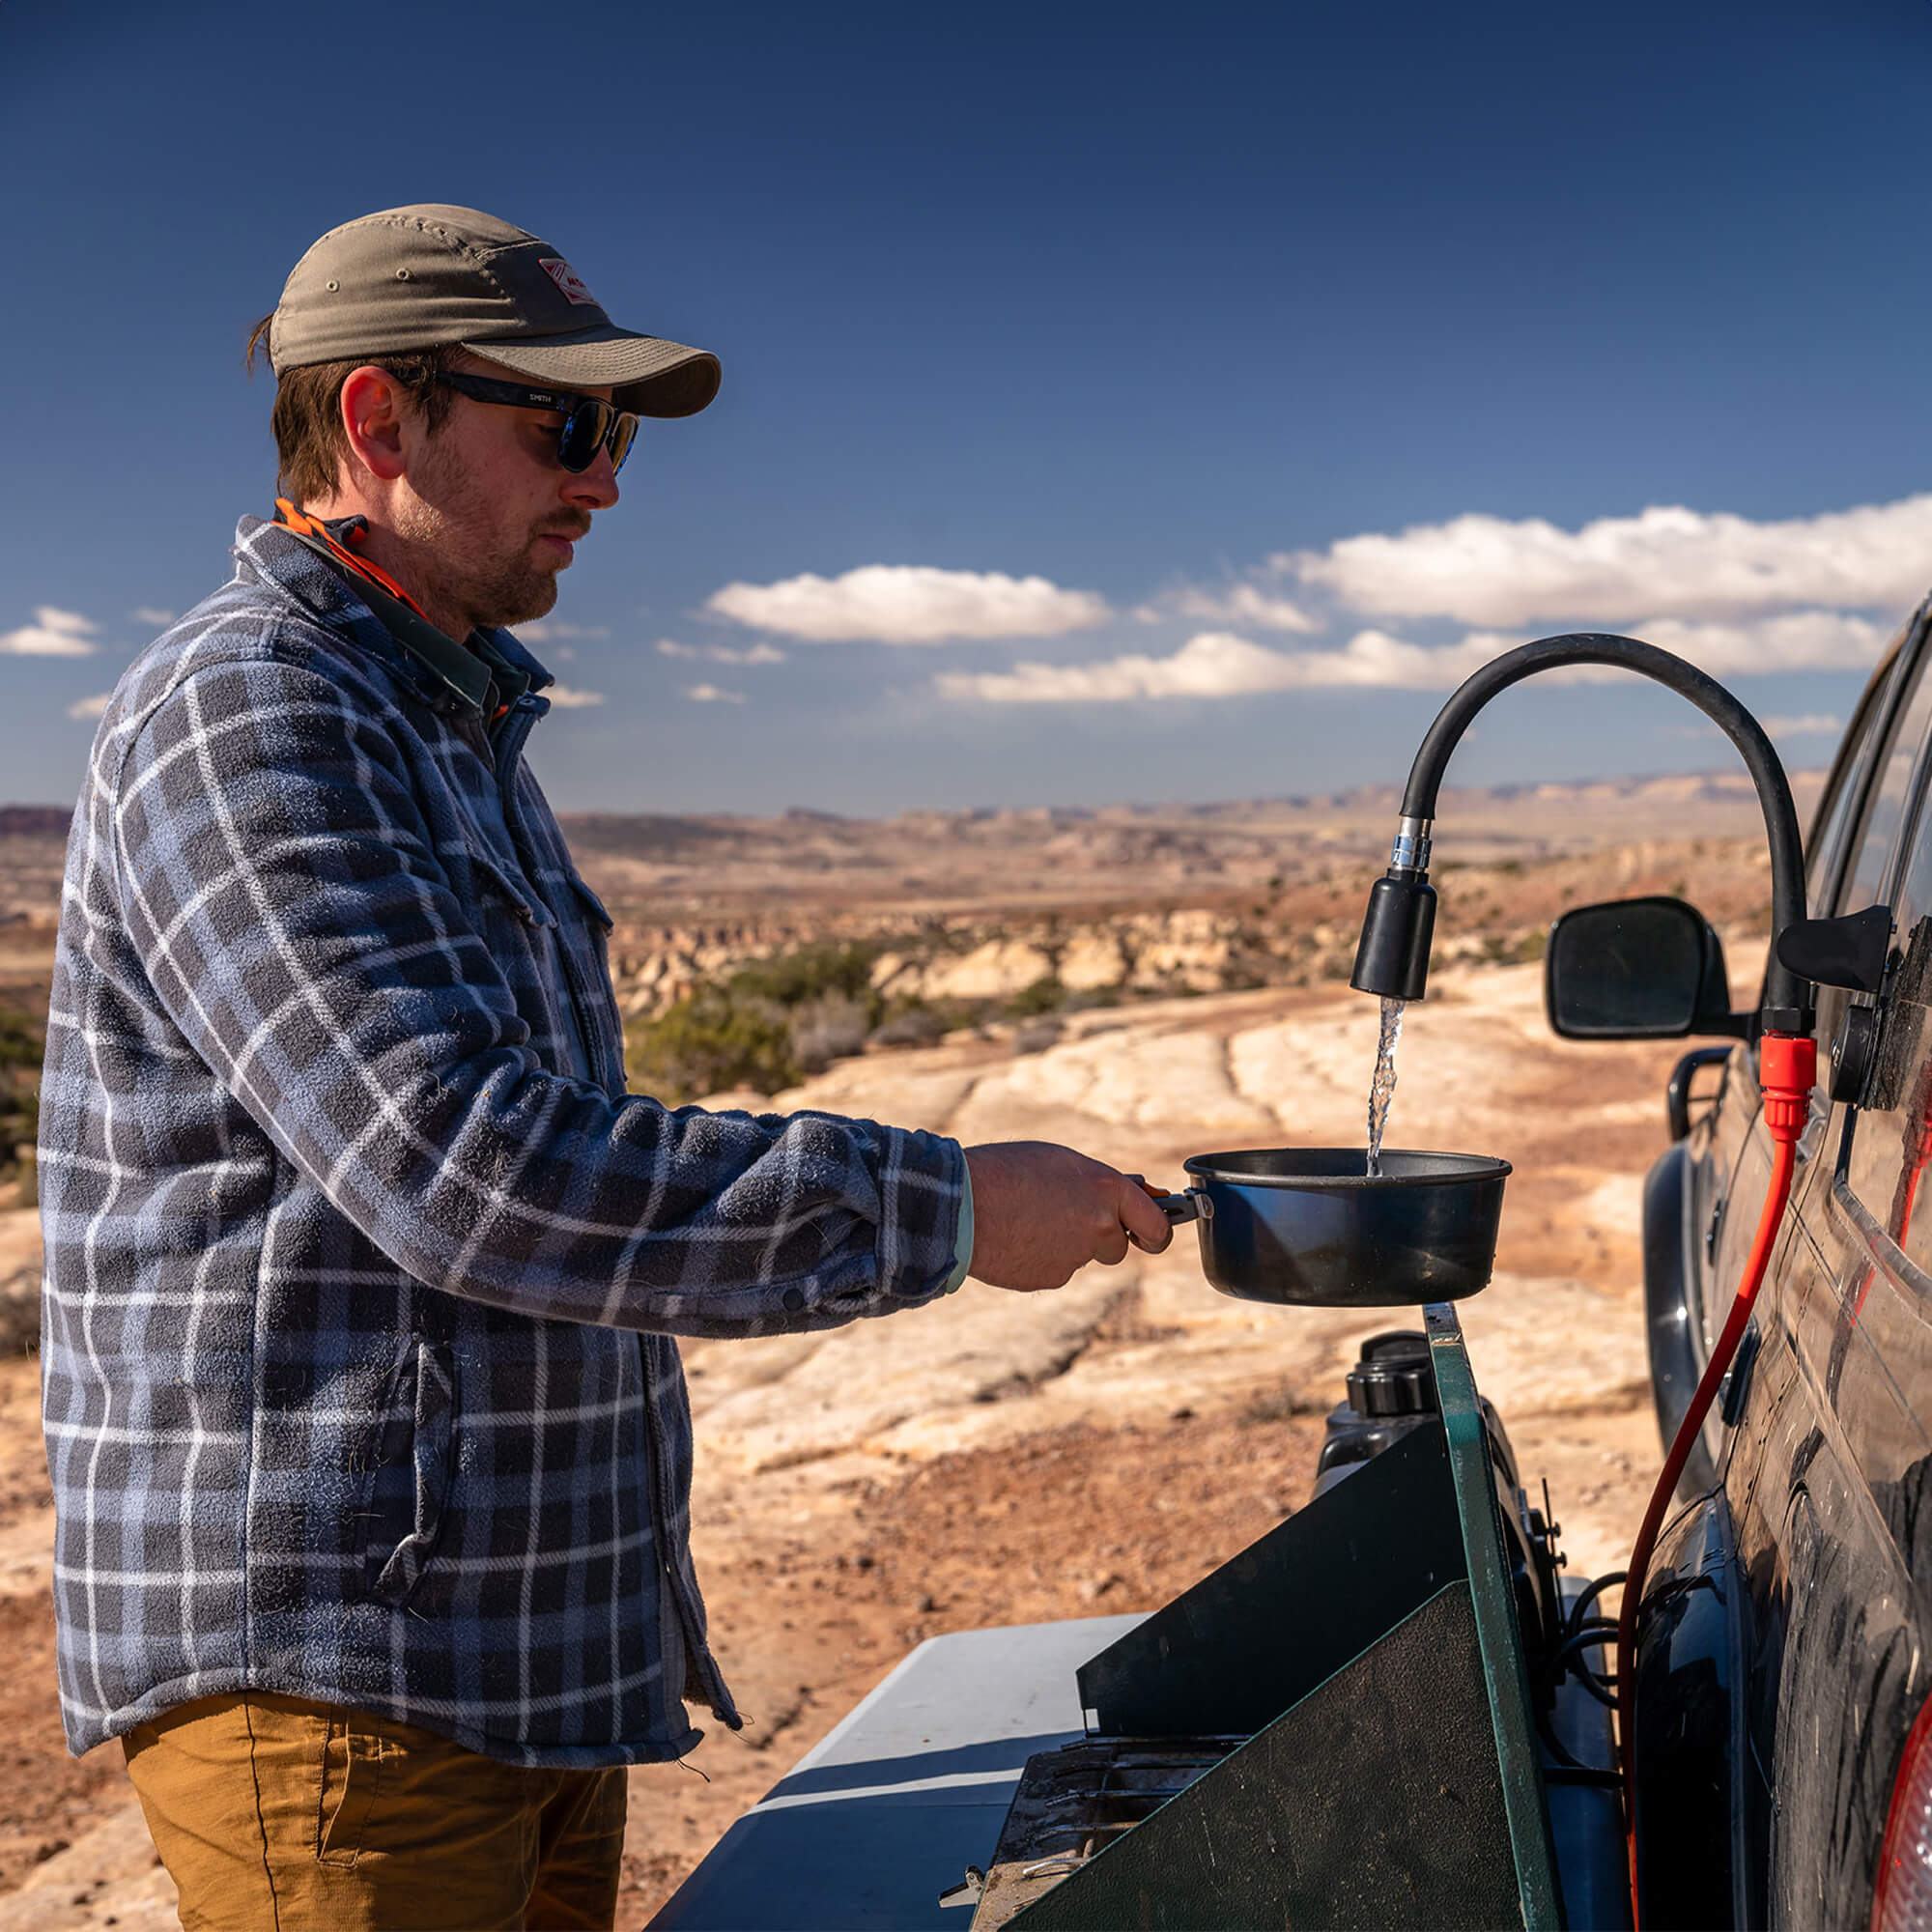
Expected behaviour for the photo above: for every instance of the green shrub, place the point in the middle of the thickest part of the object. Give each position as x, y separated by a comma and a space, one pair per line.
766, 1026
1046, 995
709, 1042
1503, 949
1094, 999
21, 1046
810, 973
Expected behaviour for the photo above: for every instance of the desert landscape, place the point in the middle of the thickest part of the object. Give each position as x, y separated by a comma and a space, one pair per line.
1142, 983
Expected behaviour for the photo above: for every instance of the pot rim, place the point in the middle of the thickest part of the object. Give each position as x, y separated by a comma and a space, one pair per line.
1212, 1168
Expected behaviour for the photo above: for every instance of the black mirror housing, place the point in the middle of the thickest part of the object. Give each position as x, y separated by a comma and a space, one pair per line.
1636, 969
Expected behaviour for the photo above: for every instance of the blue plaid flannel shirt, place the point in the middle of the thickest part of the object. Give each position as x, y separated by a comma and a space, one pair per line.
362, 1267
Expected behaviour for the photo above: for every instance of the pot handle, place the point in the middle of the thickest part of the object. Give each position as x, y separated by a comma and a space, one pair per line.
1190, 1204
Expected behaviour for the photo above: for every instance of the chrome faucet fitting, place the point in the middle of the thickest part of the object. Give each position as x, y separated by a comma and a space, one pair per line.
1410, 853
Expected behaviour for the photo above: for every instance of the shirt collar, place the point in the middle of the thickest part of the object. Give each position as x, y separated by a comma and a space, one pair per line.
319, 566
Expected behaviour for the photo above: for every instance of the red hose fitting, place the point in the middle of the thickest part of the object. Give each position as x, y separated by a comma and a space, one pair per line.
1787, 1069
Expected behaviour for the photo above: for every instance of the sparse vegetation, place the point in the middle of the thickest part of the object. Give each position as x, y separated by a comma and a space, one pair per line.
1269, 1406
773, 1022
1046, 995
1518, 948
810, 972
832, 1027
914, 1024
21, 1046
709, 1042
767, 1026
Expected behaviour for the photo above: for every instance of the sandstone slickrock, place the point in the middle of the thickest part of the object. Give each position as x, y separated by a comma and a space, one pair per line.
109, 1877
865, 1381
998, 970
1092, 961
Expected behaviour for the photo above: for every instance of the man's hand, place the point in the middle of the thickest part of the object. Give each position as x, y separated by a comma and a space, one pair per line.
1041, 1211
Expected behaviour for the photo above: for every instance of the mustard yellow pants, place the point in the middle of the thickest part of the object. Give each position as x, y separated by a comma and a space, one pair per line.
273, 1813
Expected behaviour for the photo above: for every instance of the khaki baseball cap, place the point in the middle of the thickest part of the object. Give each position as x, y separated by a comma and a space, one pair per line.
431, 275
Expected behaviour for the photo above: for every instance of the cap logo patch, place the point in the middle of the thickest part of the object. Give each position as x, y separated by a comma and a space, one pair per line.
568, 280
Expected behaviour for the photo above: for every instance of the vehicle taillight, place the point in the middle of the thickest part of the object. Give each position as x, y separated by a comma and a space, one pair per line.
1903, 1900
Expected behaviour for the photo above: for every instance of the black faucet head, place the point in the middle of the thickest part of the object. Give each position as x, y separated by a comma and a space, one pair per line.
1392, 959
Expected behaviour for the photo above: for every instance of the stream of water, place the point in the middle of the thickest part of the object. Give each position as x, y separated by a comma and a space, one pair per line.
1381, 1089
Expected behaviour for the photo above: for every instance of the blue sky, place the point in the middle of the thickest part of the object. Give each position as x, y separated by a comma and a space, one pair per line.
1119, 403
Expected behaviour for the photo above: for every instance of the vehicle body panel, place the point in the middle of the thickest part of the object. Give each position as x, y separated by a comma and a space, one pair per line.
1782, 1656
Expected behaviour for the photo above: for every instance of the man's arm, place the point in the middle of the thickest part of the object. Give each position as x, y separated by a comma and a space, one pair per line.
280, 885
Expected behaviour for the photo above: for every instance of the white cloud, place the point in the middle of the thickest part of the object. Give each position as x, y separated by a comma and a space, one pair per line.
149, 615
567, 697
1813, 724
1486, 570
1239, 603
909, 604
1217, 663
709, 693
1789, 641
761, 653
88, 707
53, 634
544, 631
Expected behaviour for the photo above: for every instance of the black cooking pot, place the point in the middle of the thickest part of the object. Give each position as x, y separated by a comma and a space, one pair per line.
1310, 1227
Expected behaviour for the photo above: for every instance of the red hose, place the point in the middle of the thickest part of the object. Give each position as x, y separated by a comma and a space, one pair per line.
1788, 1068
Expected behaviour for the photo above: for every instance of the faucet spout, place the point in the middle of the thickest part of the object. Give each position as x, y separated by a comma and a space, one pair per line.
1392, 957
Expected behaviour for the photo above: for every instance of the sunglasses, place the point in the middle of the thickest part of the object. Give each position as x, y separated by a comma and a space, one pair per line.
589, 423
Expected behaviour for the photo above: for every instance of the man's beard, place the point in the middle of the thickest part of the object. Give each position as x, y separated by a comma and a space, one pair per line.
515, 591
495, 586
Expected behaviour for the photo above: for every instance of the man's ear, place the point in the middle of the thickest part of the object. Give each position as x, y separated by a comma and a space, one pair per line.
374, 407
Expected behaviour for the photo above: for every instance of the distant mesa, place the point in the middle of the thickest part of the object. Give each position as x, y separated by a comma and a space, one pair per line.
35, 821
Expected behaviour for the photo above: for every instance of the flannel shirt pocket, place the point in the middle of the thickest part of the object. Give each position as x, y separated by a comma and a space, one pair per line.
496, 885
409, 1477
586, 950
601, 921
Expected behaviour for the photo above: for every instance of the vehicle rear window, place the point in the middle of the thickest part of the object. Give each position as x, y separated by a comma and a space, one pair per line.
1850, 798
1893, 1142
1889, 799
1831, 821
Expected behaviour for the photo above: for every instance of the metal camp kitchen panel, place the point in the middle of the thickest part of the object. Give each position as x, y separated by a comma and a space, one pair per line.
1332, 1729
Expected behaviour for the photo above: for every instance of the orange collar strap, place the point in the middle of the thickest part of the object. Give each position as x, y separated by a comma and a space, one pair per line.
300, 522
456, 664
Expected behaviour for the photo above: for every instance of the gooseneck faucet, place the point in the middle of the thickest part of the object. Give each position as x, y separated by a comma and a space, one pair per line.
1392, 958
1393, 961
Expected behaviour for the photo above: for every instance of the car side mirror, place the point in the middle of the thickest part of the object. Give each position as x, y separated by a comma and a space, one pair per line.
1637, 969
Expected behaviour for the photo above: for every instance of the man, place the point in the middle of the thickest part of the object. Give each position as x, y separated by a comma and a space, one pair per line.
366, 1425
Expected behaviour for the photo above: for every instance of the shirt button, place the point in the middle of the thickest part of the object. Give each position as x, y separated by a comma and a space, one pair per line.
794, 1300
